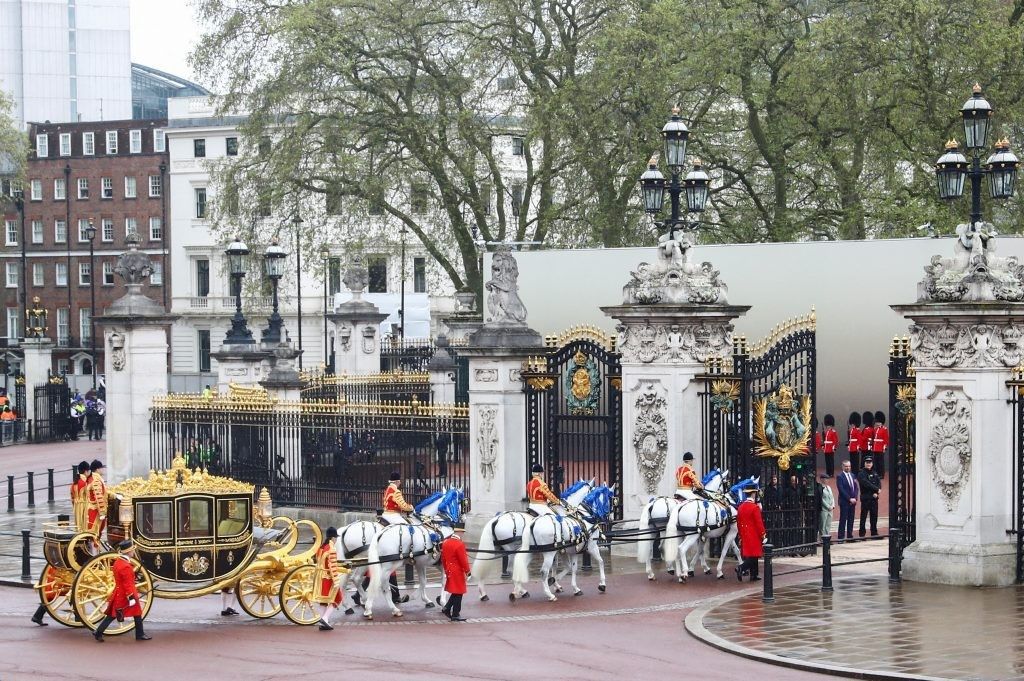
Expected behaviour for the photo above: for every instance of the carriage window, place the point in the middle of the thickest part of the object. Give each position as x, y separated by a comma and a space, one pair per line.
154, 520
194, 518
233, 515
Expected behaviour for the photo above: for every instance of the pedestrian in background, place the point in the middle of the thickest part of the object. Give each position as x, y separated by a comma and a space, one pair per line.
848, 489
456, 570
828, 502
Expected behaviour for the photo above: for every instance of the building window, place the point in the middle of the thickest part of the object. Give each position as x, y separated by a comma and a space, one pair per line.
131, 225
36, 190
84, 273
42, 146
64, 365
60, 231
37, 231
232, 146
156, 277
419, 275
12, 275
107, 229
60, 189
88, 143
38, 275
418, 199
63, 325
155, 186
201, 203
202, 277
83, 188
156, 229
60, 274
83, 236
333, 203
111, 142
204, 350
108, 274
378, 271
65, 144
129, 187
517, 198
159, 141
135, 141
199, 148
518, 146
85, 325
12, 322
107, 188
12, 232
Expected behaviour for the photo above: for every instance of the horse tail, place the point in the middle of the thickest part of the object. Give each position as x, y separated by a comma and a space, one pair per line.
645, 542
521, 564
670, 546
484, 561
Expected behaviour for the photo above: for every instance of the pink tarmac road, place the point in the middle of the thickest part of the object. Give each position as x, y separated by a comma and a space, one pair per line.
634, 631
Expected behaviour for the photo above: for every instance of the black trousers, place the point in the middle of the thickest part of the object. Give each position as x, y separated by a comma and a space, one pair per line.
869, 507
749, 567
855, 462
879, 459
830, 465
139, 631
454, 605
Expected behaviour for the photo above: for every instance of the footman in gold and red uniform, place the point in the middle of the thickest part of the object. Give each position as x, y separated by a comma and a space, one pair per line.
394, 504
686, 478
97, 500
880, 444
327, 577
80, 497
538, 494
124, 600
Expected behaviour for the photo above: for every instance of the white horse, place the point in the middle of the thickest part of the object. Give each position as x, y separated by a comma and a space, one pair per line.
417, 543
575, 533
695, 521
654, 520
503, 536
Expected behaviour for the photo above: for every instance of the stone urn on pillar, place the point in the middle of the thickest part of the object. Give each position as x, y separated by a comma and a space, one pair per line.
357, 325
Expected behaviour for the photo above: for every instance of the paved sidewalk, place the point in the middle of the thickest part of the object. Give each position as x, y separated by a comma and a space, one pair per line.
869, 628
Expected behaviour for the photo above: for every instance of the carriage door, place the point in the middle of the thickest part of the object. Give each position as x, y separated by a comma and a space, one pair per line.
574, 410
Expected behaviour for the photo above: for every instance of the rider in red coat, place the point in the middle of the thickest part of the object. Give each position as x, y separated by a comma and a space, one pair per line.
752, 533
455, 563
125, 600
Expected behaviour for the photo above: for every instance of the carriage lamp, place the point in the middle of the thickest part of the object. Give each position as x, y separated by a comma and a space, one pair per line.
126, 514
953, 167
273, 263
264, 508
239, 332
695, 186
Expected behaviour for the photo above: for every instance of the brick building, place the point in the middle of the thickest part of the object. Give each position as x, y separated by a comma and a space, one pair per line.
110, 172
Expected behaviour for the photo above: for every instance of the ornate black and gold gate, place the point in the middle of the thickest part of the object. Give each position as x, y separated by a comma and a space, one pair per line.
574, 409
902, 440
53, 411
758, 410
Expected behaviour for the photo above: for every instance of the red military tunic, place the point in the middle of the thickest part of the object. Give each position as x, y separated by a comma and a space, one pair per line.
455, 563
866, 434
394, 502
751, 529
854, 443
686, 478
831, 440
538, 492
881, 440
327, 574
124, 586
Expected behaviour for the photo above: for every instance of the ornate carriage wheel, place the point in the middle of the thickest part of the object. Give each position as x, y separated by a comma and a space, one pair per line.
93, 586
257, 592
297, 596
54, 589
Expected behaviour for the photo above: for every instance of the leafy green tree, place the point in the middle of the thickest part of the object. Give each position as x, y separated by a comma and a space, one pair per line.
12, 141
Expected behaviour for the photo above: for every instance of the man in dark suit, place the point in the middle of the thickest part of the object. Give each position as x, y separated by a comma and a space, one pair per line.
848, 491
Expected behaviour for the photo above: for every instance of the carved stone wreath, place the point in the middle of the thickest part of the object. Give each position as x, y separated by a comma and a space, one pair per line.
949, 446
650, 436
487, 441
971, 345
675, 343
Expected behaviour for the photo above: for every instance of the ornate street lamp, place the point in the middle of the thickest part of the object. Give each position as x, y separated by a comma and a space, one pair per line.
35, 320
695, 186
90, 233
953, 168
239, 333
273, 262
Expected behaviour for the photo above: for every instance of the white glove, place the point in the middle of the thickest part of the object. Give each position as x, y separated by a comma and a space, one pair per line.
765, 540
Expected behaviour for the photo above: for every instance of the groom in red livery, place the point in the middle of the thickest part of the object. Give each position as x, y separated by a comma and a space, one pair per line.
456, 569
752, 534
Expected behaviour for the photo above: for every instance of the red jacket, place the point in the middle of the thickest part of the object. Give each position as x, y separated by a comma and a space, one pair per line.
881, 441
751, 528
831, 440
854, 439
455, 563
866, 434
124, 586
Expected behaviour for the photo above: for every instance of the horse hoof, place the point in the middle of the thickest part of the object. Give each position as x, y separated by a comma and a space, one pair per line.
707, 571
578, 592
511, 597
525, 594
397, 613
551, 581
651, 578
681, 580
428, 604
721, 576
558, 590
487, 598
601, 588
552, 598
689, 573
671, 571
349, 611
368, 615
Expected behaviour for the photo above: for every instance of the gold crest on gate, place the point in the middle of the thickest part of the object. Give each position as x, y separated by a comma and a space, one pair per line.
782, 425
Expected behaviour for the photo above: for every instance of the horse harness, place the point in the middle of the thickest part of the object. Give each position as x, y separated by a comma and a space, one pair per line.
703, 526
515, 533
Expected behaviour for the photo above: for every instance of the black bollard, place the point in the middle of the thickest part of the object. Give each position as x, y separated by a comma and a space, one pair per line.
49, 485
587, 567
769, 588
10, 493
895, 555
26, 565
504, 567
31, 490
826, 562
410, 575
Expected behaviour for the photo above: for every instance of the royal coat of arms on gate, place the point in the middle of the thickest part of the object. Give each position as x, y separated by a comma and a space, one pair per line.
782, 425
582, 385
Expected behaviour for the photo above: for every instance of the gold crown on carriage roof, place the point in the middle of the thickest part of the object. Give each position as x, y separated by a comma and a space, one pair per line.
178, 479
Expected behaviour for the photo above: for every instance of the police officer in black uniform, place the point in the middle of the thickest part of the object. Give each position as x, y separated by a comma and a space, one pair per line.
870, 487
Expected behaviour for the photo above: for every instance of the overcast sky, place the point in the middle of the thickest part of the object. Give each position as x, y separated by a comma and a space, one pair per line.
163, 34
